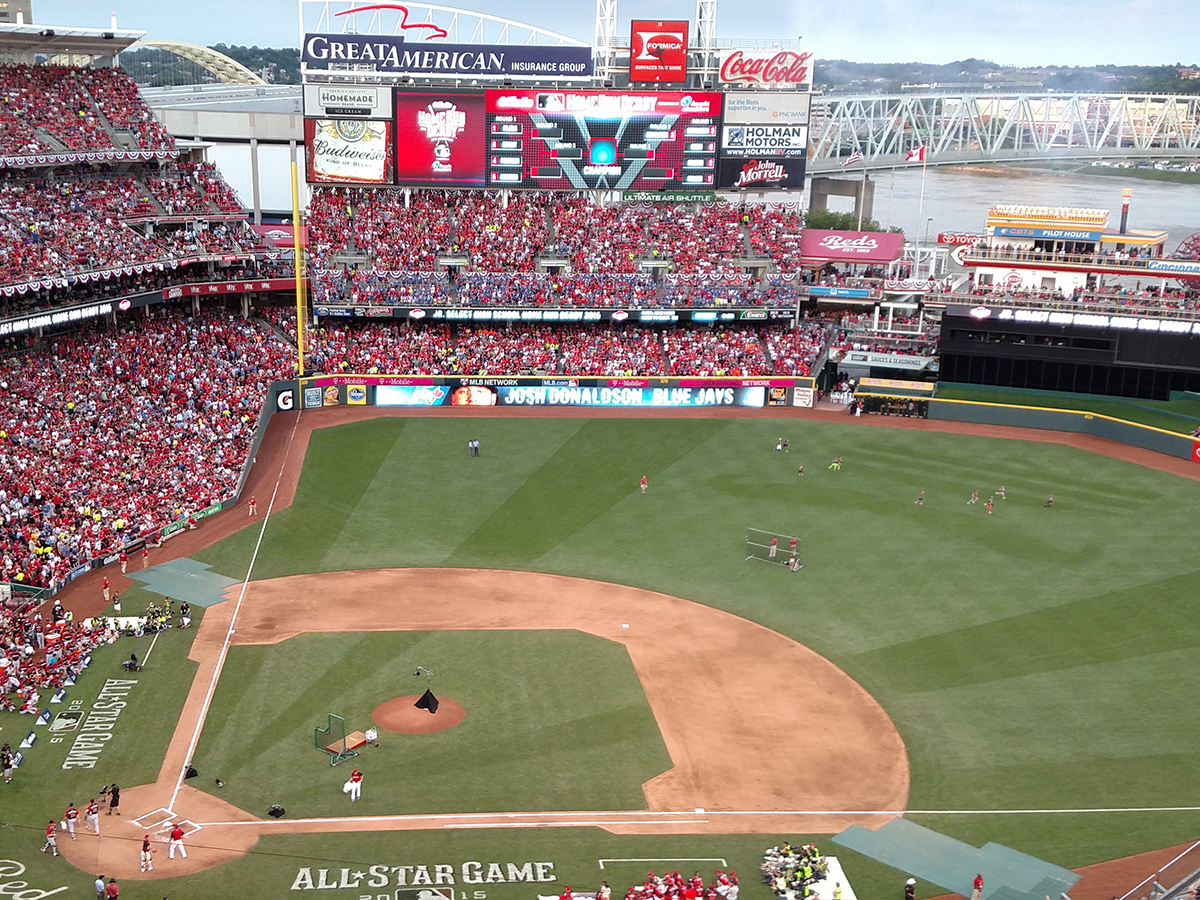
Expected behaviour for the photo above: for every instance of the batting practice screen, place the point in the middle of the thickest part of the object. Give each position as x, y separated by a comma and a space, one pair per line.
620, 140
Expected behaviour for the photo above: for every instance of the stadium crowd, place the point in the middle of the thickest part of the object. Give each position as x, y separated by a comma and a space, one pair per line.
38, 654
109, 435
373, 347
674, 886
52, 109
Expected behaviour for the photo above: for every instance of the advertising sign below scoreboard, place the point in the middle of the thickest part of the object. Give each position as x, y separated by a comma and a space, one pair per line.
658, 51
788, 141
618, 140
762, 174
766, 108
344, 151
440, 139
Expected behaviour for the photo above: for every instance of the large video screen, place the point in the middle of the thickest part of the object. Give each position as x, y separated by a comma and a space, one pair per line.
440, 139
612, 140
348, 151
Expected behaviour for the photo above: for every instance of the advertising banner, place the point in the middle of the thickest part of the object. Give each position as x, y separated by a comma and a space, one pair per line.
1059, 234
228, 287
440, 139
765, 108
658, 51
767, 68
347, 101
668, 315
886, 360
762, 174
570, 392
391, 53
348, 151
850, 246
618, 140
775, 141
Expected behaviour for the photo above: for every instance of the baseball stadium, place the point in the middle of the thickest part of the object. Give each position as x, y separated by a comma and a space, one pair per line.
464, 476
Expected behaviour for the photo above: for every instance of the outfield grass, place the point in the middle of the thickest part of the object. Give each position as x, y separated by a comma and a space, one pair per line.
1031, 659
556, 720
1181, 415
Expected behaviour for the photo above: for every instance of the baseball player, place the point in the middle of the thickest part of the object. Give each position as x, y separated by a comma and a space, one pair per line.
920, 501
1049, 501
355, 785
176, 842
51, 838
124, 557
792, 547
1000, 493
145, 556
643, 484
974, 497
69, 817
988, 504
774, 546
147, 855
800, 471
253, 507
107, 595
91, 816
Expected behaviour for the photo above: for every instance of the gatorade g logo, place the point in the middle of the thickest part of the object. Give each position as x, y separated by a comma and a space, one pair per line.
285, 401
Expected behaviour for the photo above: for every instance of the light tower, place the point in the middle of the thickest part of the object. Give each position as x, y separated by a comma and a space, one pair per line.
706, 33
606, 33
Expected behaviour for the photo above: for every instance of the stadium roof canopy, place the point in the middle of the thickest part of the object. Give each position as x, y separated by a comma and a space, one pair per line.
63, 40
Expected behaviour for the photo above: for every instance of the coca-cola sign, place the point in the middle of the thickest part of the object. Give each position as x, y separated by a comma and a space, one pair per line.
767, 68
850, 246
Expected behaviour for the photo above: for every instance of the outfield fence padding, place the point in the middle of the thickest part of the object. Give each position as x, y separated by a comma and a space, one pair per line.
1067, 420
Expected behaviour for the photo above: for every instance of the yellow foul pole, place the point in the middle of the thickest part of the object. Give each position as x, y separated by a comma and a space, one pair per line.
298, 259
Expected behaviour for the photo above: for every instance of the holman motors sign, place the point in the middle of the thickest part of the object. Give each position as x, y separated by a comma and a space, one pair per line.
392, 54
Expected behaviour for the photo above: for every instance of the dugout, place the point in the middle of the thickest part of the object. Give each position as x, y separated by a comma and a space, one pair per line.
886, 397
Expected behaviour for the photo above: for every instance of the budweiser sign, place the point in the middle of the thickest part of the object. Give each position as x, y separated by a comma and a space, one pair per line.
760, 172
767, 68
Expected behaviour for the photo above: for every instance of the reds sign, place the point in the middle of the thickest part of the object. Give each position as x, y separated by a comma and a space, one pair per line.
768, 68
658, 51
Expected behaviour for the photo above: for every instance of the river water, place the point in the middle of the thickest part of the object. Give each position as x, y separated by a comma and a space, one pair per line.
957, 199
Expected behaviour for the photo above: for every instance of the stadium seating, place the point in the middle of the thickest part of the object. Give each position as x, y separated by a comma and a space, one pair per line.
57, 109
108, 435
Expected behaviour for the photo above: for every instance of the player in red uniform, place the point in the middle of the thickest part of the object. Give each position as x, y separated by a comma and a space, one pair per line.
792, 547
989, 505
253, 507
774, 546
643, 484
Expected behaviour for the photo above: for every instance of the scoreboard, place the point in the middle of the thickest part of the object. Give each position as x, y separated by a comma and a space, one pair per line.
562, 139
615, 140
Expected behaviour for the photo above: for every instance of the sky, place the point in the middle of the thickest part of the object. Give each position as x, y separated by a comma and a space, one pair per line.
1014, 32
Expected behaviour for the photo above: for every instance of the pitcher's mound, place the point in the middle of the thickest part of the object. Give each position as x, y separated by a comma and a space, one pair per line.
399, 714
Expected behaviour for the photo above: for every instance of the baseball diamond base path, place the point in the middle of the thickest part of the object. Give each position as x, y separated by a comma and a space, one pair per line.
783, 730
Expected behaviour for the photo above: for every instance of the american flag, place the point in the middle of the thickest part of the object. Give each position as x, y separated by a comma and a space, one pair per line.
854, 157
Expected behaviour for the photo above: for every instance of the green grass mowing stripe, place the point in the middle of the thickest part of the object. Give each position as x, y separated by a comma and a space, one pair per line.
597, 468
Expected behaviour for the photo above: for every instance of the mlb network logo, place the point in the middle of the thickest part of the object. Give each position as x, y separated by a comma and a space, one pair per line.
658, 51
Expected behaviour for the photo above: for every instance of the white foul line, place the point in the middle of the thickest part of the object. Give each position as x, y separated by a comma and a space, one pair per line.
663, 814
719, 859
212, 685
151, 650
574, 824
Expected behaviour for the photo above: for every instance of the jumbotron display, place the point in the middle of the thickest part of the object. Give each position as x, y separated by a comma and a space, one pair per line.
617, 140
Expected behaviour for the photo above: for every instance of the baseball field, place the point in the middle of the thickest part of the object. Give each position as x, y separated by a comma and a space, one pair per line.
637, 694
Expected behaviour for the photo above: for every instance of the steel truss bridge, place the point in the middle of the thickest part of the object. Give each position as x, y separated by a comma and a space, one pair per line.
974, 128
